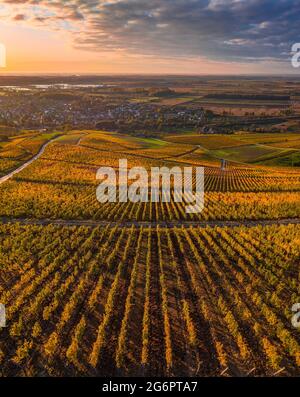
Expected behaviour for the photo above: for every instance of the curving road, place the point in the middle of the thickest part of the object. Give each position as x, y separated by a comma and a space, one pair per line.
27, 163
130, 223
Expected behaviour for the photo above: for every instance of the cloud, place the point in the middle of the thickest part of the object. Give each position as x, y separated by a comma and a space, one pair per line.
227, 30
19, 17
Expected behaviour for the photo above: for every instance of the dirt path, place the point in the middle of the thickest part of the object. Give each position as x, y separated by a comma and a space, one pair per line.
182, 154
152, 225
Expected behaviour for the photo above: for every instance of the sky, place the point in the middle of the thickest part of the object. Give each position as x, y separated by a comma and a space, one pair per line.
149, 36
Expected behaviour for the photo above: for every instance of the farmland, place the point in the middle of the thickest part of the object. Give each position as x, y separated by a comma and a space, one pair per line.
145, 288
226, 305
269, 149
61, 284
19, 149
62, 181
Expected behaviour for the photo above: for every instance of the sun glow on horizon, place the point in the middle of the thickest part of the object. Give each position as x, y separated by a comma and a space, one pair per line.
50, 47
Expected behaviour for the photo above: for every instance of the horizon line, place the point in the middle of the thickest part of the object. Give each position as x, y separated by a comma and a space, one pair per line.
34, 74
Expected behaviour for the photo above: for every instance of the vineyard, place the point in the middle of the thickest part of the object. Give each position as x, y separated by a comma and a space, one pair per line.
62, 184
146, 300
126, 301
19, 149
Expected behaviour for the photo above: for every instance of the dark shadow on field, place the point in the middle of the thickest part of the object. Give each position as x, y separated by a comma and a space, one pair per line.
51, 182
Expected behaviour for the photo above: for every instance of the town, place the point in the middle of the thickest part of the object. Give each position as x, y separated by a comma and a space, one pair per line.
58, 108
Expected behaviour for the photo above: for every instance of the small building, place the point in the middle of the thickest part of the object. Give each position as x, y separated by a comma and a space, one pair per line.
223, 164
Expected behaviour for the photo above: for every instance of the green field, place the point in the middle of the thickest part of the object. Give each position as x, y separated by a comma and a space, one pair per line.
290, 160
267, 149
250, 153
206, 141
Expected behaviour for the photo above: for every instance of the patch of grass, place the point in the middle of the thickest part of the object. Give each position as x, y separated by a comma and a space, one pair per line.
206, 141
152, 143
268, 139
248, 153
290, 160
